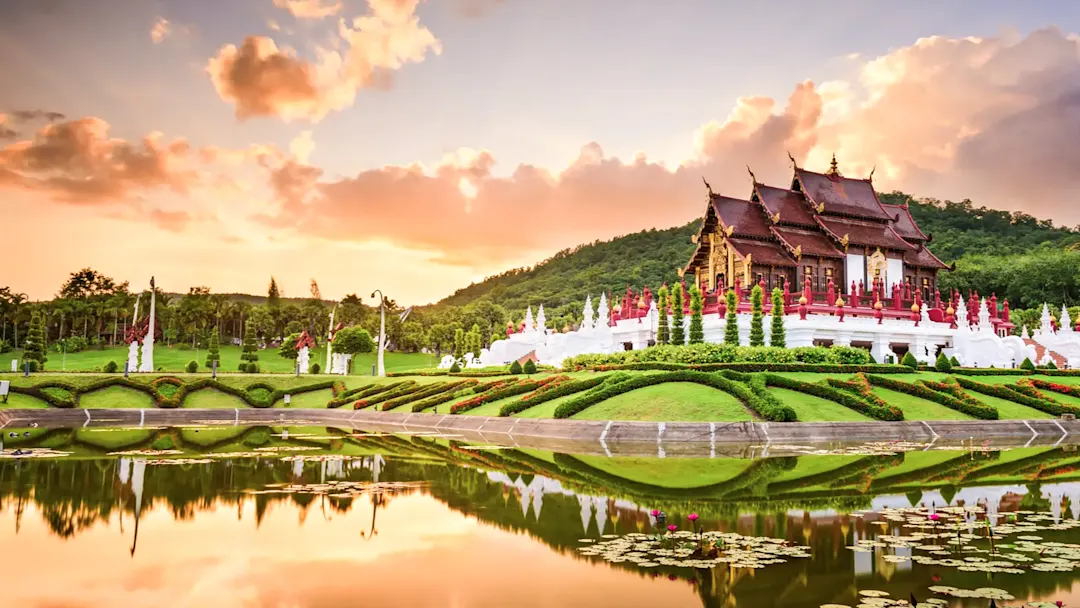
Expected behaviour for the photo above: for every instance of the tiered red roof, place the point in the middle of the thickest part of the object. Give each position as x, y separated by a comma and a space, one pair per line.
762, 252
744, 218
791, 206
859, 232
807, 242
840, 195
905, 224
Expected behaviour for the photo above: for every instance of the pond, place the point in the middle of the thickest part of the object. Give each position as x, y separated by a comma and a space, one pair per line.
320, 517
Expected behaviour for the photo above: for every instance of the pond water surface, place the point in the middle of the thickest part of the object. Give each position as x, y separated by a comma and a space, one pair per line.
317, 517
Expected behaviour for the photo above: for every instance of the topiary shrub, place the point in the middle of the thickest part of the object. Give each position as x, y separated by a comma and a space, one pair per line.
757, 320
164, 442
242, 367
315, 368
455, 368
515, 368
777, 337
33, 365
192, 367
530, 367
663, 330
910, 360
1050, 365
942, 364
678, 332
731, 325
697, 326
111, 367
252, 368
1027, 364
213, 353
954, 361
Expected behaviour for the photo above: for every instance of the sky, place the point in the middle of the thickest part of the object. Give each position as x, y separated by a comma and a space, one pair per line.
417, 146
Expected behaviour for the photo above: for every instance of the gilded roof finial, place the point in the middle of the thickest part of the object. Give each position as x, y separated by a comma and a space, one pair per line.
792, 158
871, 178
833, 169
752, 178
707, 185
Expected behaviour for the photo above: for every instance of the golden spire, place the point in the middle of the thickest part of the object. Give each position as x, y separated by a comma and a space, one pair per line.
833, 169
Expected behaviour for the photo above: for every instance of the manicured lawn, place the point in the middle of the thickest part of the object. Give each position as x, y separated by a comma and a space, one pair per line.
915, 461
1008, 410
175, 359
916, 408
546, 409
23, 401
671, 472
809, 408
116, 397
813, 465
113, 439
309, 400
212, 398
670, 402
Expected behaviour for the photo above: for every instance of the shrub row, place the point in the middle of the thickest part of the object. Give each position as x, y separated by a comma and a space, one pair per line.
511, 389
933, 391
361, 392
404, 388
764, 407
724, 353
421, 393
996, 390
761, 367
561, 390
855, 395
465, 388
1064, 389
990, 371
863, 466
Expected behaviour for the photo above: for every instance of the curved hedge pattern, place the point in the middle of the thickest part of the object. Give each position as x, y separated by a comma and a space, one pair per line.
361, 392
541, 396
494, 394
819, 368
762, 406
404, 388
464, 388
939, 393
421, 393
1042, 404
854, 395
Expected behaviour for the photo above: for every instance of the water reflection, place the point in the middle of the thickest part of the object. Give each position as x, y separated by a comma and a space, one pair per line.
323, 517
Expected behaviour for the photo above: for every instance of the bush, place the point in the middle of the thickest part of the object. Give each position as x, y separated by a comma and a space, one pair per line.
33, 365
242, 367
353, 341
678, 332
249, 353
455, 368
1027, 364
697, 327
910, 360
954, 361
111, 367
252, 368
731, 320
1050, 365
942, 364
5, 347
698, 354
34, 351
315, 368
530, 367
940, 393
663, 331
757, 319
1043, 404
192, 367
163, 443
515, 368
213, 354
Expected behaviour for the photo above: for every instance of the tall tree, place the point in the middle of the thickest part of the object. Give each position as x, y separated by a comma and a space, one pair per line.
249, 353
757, 321
678, 334
731, 325
697, 328
273, 295
34, 346
663, 330
777, 335
213, 354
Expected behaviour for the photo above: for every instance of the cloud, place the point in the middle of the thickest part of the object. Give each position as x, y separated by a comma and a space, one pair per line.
310, 9
476, 8
262, 80
160, 30
22, 116
6, 132
173, 221
992, 119
78, 162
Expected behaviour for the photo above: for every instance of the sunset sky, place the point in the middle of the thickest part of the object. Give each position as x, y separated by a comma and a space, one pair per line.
417, 146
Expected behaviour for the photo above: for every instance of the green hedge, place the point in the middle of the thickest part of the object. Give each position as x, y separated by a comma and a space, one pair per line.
990, 371
759, 403
440, 398
361, 392
561, 390
848, 394
1004, 392
762, 367
696, 354
511, 389
404, 388
931, 392
867, 466
420, 394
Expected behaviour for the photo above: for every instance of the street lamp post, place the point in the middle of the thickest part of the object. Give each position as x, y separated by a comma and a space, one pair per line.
382, 330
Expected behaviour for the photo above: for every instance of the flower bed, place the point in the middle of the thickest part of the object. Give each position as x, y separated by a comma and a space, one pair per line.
940, 393
464, 388
1003, 392
820, 368
758, 403
404, 388
550, 393
991, 371
494, 394
855, 395
1064, 389
422, 393
361, 392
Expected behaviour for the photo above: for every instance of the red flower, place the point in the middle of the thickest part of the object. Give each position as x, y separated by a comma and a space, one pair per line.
672, 528
692, 517
654, 512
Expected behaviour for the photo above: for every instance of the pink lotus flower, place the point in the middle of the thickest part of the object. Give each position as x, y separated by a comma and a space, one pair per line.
672, 528
654, 512
934, 517
692, 517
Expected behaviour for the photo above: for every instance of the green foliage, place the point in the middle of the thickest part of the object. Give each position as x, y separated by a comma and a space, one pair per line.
191, 367
909, 360
548, 393
250, 351
942, 364
315, 368
1050, 365
111, 367
678, 332
697, 305
515, 368
473, 340
353, 341
213, 353
165, 442
71, 344
252, 367
455, 368
731, 326
288, 347
663, 330
459, 343
696, 354
34, 345
1032, 398
530, 367
954, 361
777, 333
757, 328
1027, 365
273, 296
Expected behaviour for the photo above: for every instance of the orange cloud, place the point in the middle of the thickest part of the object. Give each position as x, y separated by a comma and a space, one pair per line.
77, 162
991, 119
261, 80
160, 30
476, 8
6, 132
309, 9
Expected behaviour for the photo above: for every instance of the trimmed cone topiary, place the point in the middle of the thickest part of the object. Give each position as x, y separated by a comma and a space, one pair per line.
111, 367
697, 325
663, 331
1050, 365
192, 367
515, 368
678, 331
777, 337
731, 327
942, 364
954, 361
1027, 364
530, 367
757, 319
455, 368
910, 360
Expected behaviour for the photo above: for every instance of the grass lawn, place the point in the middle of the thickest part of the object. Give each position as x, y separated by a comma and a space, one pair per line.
546, 409
113, 439
670, 402
212, 399
1008, 410
671, 472
916, 408
116, 397
814, 465
914, 461
809, 408
175, 359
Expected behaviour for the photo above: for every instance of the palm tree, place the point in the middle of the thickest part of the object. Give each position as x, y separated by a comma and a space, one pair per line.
243, 308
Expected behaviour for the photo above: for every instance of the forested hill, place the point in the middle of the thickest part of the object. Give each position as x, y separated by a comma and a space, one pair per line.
961, 232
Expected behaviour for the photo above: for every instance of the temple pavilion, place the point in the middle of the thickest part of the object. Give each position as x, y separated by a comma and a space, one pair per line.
826, 230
